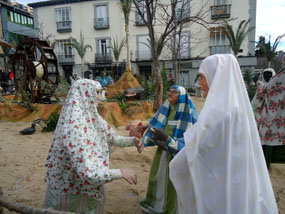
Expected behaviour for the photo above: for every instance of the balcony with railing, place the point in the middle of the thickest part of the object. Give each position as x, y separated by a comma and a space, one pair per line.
103, 58
64, 26
101, 23
143, 55
65, 59
220, 11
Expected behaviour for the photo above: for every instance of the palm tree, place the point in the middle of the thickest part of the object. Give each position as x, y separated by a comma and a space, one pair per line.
117, 48
126, 8
236, 38
81, 49
270, 51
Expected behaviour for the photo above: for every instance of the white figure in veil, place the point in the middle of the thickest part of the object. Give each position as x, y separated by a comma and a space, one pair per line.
222, 169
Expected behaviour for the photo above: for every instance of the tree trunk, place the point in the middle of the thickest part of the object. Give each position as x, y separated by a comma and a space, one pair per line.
128, 46
156, 70
82, 67
117, 71
269, 63
176, 72
21, 208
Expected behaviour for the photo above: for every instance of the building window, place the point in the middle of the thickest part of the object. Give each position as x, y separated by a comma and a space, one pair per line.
143, 50
182, 9
63, 19
64, 51
219, 44
103, 51
142, 9
101, 17
23, 21
17, 18
10, 16
220, 9
183, 45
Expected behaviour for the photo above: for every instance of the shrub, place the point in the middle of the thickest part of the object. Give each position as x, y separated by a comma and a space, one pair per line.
51, 122
166, 83
250, 86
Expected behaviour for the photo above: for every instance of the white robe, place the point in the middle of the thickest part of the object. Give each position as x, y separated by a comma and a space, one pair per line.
222, 168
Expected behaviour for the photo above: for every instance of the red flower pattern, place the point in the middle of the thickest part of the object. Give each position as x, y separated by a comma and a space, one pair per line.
72, 138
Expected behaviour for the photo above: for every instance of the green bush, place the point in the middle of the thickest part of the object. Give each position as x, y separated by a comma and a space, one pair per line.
191, 90
248, 79
117, 98
51, 122
166, 84
149, 87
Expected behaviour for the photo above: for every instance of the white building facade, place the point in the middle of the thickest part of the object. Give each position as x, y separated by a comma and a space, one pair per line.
102, 21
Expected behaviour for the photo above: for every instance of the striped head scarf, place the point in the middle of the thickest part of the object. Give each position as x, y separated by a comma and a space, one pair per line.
186, 115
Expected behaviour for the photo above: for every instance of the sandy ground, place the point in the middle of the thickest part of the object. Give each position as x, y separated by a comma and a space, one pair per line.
22, 170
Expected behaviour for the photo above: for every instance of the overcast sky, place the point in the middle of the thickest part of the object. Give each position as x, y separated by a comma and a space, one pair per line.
269, 19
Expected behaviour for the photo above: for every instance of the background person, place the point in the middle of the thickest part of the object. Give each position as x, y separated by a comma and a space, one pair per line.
270, 117
198, 88
222, 169
78, 160
3, 80
176, 115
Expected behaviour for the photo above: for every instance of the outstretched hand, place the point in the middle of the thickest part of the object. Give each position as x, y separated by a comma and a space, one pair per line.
138, 143
129, 175
160, 135
161, 145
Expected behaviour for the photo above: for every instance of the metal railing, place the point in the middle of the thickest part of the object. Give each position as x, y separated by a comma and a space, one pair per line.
220, 11
64, 26
143, 55
103, 58
65, 59
101, 23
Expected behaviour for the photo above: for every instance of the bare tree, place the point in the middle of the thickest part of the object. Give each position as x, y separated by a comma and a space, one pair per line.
163, 14
45, 35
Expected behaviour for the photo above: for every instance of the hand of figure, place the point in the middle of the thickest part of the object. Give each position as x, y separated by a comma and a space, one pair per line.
136, 141
161, 145
161, 135
129, 175
140, 147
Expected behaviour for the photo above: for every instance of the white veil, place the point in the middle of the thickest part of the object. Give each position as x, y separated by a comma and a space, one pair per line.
222, 168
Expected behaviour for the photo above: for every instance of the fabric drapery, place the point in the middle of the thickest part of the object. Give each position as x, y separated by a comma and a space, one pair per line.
222, 169
78, 160
269, 105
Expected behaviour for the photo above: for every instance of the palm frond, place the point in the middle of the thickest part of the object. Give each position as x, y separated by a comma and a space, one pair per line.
117, 48
236, 38
80, 45
277, 41
126, 6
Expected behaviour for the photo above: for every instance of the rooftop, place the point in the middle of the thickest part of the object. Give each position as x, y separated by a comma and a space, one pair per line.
54, 2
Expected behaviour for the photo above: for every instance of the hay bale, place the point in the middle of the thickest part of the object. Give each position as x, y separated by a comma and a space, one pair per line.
126, 81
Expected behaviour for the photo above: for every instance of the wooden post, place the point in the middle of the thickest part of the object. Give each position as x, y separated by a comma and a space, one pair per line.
24, 209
